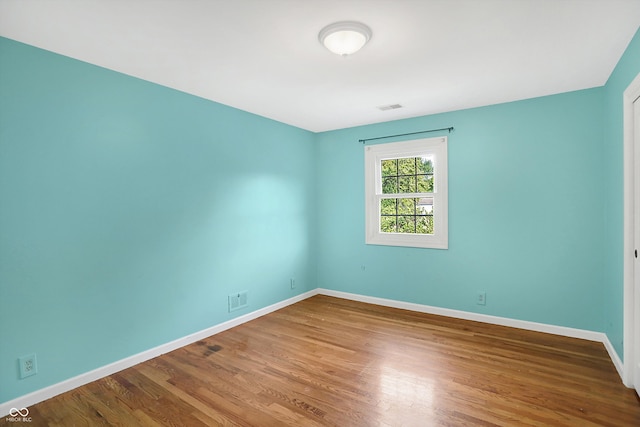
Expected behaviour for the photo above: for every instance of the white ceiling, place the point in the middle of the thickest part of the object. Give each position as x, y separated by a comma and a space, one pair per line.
263, 56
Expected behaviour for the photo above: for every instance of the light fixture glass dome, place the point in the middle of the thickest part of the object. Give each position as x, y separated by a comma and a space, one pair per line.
345, 38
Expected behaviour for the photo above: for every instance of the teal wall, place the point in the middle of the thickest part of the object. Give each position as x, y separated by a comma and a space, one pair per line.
130, 211
525, 219
612, 159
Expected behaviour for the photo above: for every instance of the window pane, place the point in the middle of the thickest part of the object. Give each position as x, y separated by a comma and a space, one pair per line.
390, 167
425, 165
388, 224
424, 206
406, 206
424, 225
407, 184
425, 183
388, 207
390, 185
407, 166
407, 224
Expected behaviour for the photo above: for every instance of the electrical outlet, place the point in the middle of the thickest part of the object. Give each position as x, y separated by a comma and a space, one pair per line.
28, 365
293, 283
481, 298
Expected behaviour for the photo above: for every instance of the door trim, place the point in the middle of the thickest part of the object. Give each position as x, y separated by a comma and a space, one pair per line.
630, 95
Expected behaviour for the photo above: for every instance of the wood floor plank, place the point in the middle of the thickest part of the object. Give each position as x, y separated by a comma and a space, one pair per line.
332, 362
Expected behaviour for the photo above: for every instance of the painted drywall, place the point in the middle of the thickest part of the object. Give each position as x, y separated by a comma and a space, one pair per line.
525, 219
612, 160
130, 211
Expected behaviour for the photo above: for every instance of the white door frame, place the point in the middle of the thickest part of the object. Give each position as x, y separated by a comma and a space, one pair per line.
630, 94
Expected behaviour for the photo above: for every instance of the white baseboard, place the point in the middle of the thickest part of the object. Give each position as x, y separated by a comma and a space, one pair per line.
104, 371
458, 314
82, 379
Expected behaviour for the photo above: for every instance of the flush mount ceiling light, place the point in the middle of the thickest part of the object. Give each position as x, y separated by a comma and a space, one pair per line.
344, 38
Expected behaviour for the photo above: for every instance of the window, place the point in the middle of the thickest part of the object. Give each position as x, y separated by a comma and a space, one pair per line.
406, 193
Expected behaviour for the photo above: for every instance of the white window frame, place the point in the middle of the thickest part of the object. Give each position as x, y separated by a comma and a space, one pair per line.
373, 156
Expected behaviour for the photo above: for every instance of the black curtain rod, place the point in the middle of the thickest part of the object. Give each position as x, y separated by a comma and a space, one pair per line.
406, 134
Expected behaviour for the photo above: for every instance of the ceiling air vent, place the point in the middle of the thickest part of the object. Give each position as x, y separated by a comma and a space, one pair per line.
389, 107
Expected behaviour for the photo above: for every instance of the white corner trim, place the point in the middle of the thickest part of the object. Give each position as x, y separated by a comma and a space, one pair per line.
104, 371
631, 93
477, 317
613, 354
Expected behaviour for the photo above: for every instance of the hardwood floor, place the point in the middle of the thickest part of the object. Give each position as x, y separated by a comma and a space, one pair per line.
332, 362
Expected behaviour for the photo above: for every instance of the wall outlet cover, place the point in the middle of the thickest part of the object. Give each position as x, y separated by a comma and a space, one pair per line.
28, 365
481, 299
